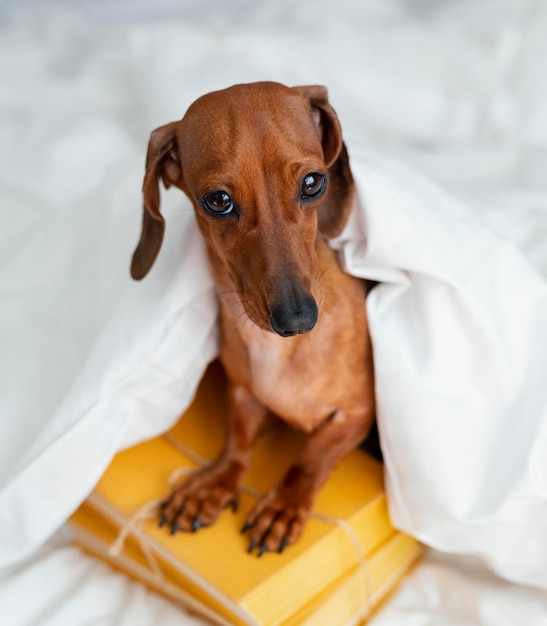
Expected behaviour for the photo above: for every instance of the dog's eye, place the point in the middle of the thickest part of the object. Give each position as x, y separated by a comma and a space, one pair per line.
313, 185
218, 202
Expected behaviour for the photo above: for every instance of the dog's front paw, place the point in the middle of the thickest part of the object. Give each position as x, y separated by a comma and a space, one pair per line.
278, 519
200, 499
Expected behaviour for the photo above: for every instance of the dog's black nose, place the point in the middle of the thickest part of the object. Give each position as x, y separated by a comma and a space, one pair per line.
295, 318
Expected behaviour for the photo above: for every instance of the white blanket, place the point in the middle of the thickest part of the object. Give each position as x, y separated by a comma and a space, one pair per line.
459, 328
91, 362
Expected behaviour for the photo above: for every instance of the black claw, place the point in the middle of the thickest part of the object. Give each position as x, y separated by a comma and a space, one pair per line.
174, 528
245, 527
163, 521
196, 525
283, 545
232, 503
263, 548
252, 546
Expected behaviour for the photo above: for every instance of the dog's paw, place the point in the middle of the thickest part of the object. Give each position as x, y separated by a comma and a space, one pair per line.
278, 519
200, 499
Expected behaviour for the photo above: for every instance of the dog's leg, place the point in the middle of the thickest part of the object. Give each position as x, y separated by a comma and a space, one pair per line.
279, 517
199, 500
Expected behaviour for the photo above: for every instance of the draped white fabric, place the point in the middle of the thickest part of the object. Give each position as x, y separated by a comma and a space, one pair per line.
459, 327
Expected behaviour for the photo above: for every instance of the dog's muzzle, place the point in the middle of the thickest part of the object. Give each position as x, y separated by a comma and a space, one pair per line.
288, 321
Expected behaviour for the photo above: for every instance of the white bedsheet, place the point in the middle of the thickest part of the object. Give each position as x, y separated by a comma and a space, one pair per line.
90, 361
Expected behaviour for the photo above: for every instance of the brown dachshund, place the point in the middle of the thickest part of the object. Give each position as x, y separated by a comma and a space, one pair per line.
268, 174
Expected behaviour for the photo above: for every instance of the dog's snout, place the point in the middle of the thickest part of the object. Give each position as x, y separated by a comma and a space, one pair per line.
294, 318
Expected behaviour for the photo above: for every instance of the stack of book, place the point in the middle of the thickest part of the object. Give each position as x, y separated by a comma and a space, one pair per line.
348, 558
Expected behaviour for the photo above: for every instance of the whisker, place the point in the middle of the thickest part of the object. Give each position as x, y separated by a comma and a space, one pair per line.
238, 302
224, 293
243, 313
325, 311
329, 267
238, 321
250, 321
319, 279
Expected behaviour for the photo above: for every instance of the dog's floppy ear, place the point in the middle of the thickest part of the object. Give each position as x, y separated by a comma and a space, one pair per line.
325, 119
162, 161
334, 211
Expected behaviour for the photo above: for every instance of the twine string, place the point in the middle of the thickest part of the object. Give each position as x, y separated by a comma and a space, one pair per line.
150, 510
365, 611
147, 511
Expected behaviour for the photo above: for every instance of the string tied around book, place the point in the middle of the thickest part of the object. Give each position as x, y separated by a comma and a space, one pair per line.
151, 509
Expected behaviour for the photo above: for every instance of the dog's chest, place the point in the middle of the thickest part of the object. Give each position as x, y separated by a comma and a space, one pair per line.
285, 382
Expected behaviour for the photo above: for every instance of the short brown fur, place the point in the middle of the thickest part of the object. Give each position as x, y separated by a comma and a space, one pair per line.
270, 262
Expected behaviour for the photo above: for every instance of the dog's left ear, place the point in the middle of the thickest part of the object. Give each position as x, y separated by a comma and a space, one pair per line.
334, 211
162, 162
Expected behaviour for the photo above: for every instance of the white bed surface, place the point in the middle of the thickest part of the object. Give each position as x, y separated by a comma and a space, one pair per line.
62, 586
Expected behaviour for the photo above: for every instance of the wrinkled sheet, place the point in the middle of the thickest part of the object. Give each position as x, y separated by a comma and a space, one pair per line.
92, 363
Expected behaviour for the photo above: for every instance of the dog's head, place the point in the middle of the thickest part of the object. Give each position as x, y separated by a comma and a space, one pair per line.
266, 170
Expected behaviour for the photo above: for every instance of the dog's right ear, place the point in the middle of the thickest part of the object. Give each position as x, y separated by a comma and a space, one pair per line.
335, 209
162, 161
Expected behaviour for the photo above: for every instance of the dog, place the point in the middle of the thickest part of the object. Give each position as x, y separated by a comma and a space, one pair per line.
268, 175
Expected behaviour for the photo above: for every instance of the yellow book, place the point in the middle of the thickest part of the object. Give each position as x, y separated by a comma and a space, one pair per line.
354, 597
211, 570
